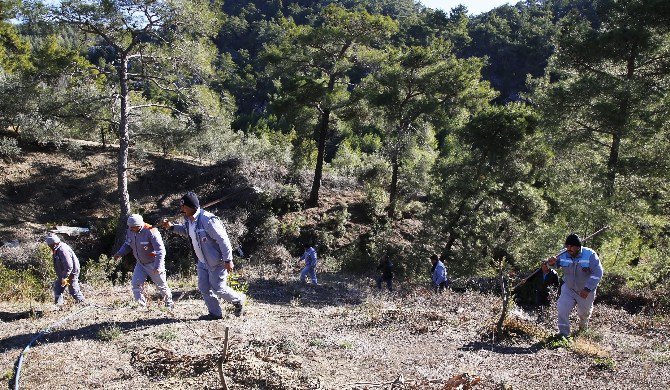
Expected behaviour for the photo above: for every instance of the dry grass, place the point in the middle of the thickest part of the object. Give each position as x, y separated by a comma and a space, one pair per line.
584, 347
342, 335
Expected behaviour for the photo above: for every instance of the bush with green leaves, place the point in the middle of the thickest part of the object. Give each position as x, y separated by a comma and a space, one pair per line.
28, 266
289, 230
237, 283
325, 241
413, 209
266, 233
97, 272
416, 172
347, 161
376, 170
167, 335
109, 332
9, 148
604, 364
364, 254
105, 230
376, 200
21, 285
336, 221
43, 264
288, 199
40, 129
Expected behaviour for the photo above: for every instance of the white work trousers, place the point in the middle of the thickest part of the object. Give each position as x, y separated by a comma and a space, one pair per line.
160, 280
212, 283
566, 302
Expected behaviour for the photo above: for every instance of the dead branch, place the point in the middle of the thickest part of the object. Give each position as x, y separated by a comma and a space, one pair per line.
222, 359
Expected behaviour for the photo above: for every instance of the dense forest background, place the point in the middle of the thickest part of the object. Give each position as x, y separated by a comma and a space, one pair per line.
497, 133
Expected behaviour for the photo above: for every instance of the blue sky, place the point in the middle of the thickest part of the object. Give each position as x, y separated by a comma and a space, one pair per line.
474, 6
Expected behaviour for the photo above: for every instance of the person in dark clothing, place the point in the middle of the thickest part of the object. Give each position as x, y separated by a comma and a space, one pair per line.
544, 283
386, 268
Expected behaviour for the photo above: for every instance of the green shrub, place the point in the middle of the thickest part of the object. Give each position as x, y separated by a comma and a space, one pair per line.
604, 364
352, 259
167, 335
289, 229
378, 170
317, 343
42, 265
413, 209
96, 273
237, 283
287, 345
267, 231
347, 161
26, 272
20, 285
75, 151
288, 199
336, 221
558, 341
109, 332
325, 241
9, 148
106, 230
376, 200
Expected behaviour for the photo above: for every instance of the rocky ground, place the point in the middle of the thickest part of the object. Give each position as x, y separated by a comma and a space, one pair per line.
341, 335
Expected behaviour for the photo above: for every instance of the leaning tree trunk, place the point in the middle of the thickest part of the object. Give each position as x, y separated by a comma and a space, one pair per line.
321, 148
321, 151
393, 191
122, 162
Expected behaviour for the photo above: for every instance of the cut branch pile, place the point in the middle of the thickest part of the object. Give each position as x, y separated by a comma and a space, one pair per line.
157, 362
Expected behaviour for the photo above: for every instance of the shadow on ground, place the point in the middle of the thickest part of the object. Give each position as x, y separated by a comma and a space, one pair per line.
11, 317
501, 349
327, 293
89, 332
186, 295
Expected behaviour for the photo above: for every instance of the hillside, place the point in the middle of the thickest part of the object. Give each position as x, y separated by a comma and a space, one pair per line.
341, 335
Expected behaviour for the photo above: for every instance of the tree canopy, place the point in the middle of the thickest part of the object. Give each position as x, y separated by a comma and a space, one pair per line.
495, 134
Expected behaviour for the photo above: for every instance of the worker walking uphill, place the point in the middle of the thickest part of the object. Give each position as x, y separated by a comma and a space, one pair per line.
66, 265
146, 244
544, 283
582, 271
439, 274
310, 259
386, 268
215, 255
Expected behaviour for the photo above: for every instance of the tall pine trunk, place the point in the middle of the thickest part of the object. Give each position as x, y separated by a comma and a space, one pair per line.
393, 192
624, 110
321, 151
321, 148
612, 163
124, 144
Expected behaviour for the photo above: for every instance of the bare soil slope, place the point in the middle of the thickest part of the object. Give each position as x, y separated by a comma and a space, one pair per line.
46, 186
342, 335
